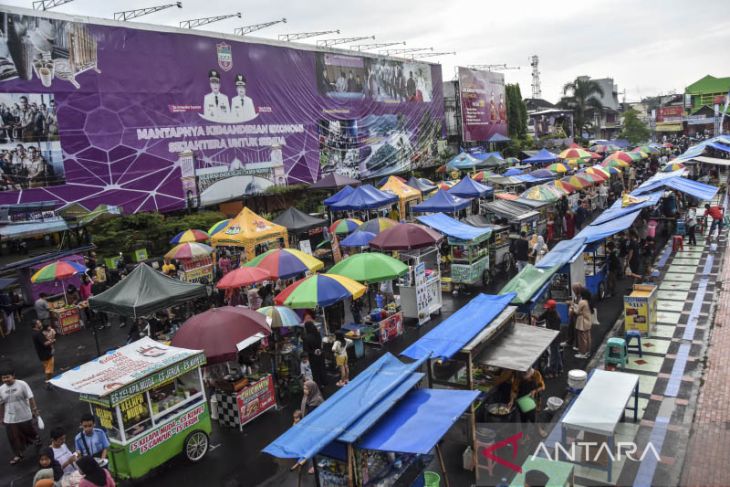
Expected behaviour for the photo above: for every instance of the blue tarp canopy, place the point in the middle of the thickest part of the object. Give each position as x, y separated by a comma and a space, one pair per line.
468, 188
421, 184
700, 191
543, 156
718, 146
358, 238
339, 195
442, 202
530, 179
453, 228
358, 403
418, 421
512, 171
452, 334
464, 160
498, 138
618, 210
596, 233
363, 198
564, 252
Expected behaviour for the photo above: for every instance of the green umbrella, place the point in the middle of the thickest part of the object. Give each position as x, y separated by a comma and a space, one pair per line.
370, 267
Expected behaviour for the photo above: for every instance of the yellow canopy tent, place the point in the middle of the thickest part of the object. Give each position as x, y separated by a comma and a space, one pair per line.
407, 195
247, 230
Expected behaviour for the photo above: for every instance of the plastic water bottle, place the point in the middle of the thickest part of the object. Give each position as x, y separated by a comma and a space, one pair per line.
503, 483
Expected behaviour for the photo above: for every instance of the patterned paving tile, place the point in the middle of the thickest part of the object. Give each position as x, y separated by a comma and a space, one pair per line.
663, 331
675, 286
686, 261
663, 305
672, 295
676, 276
647, 363
682, 269
654, 346
668, 317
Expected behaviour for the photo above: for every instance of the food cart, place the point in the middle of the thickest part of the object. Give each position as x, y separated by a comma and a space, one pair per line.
568, 256
596, 268
517, 217
478, 348
248, 235
499, 256
66, 317
468, 246
640, 309
379, 430
530, 287
150, 399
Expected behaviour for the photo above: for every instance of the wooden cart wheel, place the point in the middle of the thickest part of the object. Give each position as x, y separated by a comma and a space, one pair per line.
196, 446
507, 262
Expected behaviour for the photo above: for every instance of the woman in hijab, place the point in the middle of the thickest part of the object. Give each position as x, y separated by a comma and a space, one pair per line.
50, 468
312, 397
539, 249
313, 348
94, 475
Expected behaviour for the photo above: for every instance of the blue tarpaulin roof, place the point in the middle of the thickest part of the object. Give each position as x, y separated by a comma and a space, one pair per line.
421, 184
701, 191
512, 171
543, 156
339, 195
381, 382
595, 233
564, 252
464, 160
498, 138
442, 201
529, 178
364, 197
418, 421
452, 227
468, 188
718, 146
23, 230
618, 210
452, 334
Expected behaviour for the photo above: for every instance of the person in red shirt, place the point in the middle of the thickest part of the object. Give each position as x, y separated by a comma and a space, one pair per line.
717, 213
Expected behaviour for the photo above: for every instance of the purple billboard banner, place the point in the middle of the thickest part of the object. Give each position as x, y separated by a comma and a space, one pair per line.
483, 106
157, 120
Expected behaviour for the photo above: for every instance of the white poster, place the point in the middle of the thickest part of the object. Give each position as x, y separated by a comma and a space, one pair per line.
305, 246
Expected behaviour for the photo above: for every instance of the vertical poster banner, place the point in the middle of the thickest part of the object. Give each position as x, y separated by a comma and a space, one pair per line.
86, 120
483, 104
423, 296
256, 399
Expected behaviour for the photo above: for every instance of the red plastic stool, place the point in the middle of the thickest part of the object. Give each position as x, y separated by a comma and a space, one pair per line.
677, 243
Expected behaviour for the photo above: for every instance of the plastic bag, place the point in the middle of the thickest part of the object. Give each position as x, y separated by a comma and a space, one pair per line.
39, 422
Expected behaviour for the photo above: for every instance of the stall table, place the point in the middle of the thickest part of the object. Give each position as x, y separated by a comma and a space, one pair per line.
600, 406
150, 399
560, 474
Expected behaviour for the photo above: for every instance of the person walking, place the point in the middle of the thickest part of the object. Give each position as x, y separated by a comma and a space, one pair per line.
691, 221
717, 214
583, 312
17, 410
313, 348
521, 251
44, 338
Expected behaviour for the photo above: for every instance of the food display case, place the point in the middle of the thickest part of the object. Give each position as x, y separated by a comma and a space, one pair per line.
66, 317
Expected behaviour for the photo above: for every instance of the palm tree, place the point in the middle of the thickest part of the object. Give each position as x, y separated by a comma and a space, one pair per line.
581, 95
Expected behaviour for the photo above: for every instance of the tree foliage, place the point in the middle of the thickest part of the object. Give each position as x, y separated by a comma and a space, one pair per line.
516, 112
634, 130
580, 97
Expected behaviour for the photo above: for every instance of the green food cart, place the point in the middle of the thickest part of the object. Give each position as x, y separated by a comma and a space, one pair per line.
150, 399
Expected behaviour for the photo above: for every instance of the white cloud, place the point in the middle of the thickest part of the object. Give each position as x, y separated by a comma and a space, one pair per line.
647, 46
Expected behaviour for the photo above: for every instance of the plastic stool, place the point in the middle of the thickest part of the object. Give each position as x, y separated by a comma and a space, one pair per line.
616, 352
629, 335
677, 243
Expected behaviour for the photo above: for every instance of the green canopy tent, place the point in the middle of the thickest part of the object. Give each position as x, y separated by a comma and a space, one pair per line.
527, 283
145, 291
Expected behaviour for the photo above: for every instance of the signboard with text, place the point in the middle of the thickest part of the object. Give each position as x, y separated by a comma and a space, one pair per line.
483, 105
256, 399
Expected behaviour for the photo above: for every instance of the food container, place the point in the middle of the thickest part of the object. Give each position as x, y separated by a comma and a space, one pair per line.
554, 403
577, 379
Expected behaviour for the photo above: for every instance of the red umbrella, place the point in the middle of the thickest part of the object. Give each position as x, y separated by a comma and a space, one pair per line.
243, 276
219, 330
406, 236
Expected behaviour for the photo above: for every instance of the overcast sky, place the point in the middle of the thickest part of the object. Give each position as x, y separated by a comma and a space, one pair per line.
647, 46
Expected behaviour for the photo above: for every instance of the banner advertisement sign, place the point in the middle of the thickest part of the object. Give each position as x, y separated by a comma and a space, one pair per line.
670, 114
117, 114
483, 105
256, 399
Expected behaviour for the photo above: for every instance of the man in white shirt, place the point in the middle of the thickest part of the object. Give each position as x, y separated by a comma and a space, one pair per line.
242, 106
17, 409
215, 104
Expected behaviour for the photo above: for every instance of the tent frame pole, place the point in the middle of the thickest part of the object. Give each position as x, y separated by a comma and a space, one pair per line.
442, 465
350, 466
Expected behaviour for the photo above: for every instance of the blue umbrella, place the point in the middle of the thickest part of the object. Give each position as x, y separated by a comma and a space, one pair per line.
512, 172
358, 238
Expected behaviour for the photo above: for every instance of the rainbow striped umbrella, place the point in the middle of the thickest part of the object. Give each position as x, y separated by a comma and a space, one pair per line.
574, 154
614, 163
377, 225
542, 192
599, 171
285, 263
558, 167
673, 166
190, 250
637, 156
57, 271
280, 316
596, 177
319, 290
612, 170
621, 156
345, 226
190, 236
446, 185
648, 149
577, 182
605, 148
565, 187
482, 176
217, 227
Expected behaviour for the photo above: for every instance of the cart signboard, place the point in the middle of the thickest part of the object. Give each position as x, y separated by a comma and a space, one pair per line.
640, 308
158, 437
390, 328
423, 301
469, 273
69, 320
256, 399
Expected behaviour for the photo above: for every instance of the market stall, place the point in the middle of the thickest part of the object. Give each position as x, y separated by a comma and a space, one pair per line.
379, 430
382, 323
451, 350
301, 226
65, 315
424, 185
469, 249
407, 195
640, 309
196, 261
442, 202
467, 188
517, 217
499, 255
150, 399
225, 334
567, 256
363, 199
596, 412
247, 235
420, 288
530, 287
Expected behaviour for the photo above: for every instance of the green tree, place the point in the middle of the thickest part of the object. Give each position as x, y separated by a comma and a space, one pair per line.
634, 130
516, 112
580, 97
